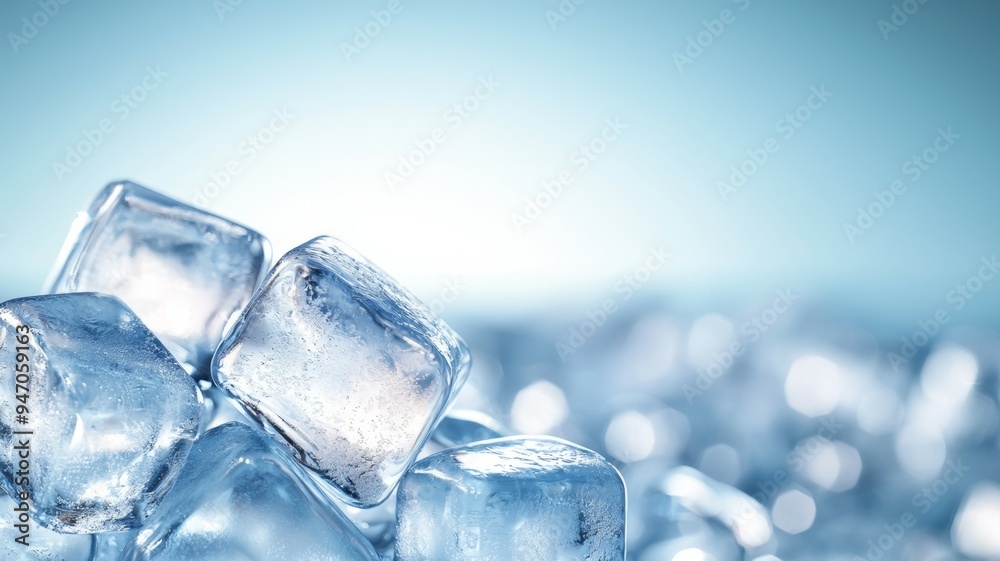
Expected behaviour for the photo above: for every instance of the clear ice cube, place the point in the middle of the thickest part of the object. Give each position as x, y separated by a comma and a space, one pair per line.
466, 426
460, 427
512, 499
343, 366
112, 414
185, 272
241, 497
109, 547
220, 409
377, 524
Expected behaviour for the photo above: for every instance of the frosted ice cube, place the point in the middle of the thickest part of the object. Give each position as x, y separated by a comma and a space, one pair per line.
42, 544
512, 499
343, 366
112, 413
242, 497
378, 523
185, 272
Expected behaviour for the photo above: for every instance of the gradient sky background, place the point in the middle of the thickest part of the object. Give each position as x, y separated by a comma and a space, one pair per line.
656, 185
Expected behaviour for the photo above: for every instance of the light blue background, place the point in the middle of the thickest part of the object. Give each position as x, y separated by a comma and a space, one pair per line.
451, 221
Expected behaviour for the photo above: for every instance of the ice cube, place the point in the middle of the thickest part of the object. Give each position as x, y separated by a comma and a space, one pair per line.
41, 543
220, 409
242, 497
108, 547
111, 413
377, 524
467, 426
185, 272
343, 366
512, 499
686, 502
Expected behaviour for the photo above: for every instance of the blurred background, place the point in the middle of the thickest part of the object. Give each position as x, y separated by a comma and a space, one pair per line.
681, 233
362, 94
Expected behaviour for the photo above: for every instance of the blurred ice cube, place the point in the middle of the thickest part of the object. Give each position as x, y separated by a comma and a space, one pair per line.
744, 517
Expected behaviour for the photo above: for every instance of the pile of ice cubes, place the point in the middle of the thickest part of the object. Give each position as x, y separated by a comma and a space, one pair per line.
185, 403
171, 399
